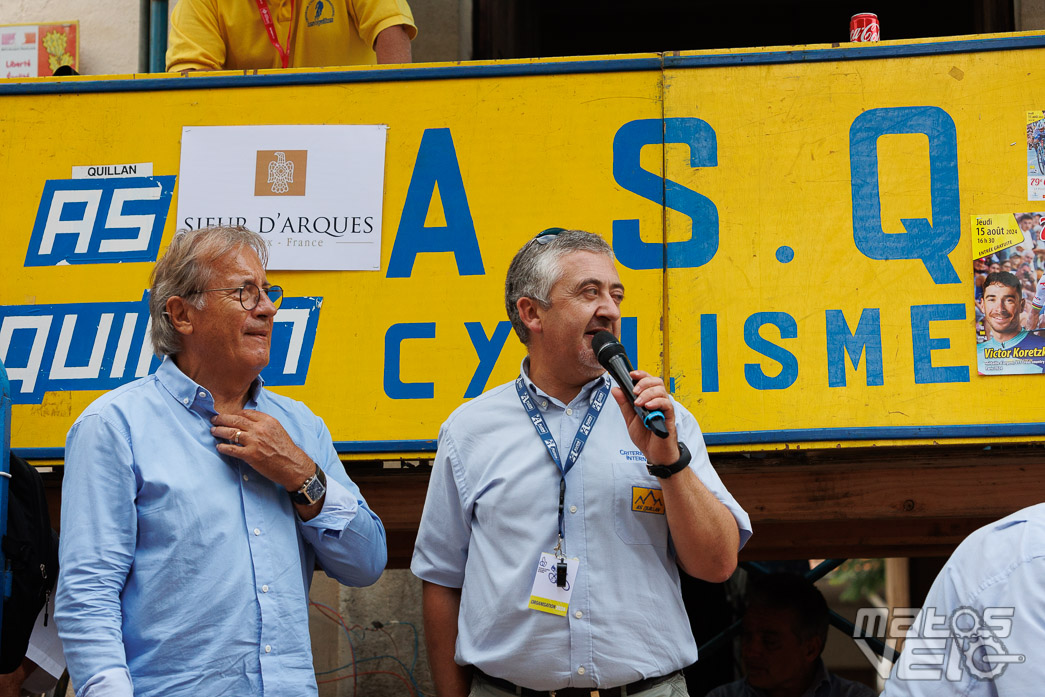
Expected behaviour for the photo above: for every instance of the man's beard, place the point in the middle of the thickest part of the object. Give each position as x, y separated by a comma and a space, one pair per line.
588, 360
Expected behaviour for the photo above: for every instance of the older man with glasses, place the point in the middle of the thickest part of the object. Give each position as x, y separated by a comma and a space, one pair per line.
196, 503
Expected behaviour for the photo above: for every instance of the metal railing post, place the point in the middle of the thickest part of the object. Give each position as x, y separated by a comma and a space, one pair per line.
5, 475
158, 36
143, 35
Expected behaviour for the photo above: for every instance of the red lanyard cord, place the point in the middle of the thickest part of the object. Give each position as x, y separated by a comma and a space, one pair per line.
270, 27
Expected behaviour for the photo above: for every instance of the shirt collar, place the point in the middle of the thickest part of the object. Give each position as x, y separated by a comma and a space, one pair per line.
193, 396
820, 679
1014, 340
544, 400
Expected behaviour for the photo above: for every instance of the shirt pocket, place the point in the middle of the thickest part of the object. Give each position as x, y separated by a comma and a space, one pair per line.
638, 506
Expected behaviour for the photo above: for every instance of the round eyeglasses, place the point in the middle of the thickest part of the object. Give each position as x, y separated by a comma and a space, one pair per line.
250, 295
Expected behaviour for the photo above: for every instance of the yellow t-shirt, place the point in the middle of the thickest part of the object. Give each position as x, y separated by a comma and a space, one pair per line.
230, 34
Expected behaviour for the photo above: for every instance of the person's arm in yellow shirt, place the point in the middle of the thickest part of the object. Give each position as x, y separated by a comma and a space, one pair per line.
393, 45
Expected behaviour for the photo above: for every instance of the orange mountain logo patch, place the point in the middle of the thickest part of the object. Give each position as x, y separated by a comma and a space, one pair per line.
646, 500
280, 173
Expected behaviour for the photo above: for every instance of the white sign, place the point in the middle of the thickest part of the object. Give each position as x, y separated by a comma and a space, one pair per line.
140, 169
18, 51
313, 192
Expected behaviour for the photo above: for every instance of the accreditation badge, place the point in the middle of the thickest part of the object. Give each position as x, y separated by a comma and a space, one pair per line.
546, 595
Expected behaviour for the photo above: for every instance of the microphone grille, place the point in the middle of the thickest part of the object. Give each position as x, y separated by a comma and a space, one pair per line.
604, 340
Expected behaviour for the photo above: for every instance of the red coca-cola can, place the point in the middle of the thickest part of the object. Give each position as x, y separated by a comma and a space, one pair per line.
864, 27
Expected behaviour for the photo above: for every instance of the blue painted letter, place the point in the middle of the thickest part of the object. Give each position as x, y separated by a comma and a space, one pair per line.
629, 337
394, 337
699, 249
753, 372
841, 341
924, 370
488, 350
709, 353
930, 242
436, 165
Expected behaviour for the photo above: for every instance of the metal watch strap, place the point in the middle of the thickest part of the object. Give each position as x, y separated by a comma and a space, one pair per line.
312, 490
665, 471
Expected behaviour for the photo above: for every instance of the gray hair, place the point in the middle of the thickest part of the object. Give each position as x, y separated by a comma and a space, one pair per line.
538, 266
187, 267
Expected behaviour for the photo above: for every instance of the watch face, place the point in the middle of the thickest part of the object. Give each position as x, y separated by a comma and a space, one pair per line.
315, 490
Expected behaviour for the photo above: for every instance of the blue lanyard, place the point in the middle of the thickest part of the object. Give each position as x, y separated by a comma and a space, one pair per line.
598, 400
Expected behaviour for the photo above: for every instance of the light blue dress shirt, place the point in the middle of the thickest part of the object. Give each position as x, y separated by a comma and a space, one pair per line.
1000, 566
492, 510
185, 572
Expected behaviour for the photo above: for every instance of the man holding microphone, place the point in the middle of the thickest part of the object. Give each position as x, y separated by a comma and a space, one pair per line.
554, 528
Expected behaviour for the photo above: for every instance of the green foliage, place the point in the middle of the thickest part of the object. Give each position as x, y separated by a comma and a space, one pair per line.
860, 579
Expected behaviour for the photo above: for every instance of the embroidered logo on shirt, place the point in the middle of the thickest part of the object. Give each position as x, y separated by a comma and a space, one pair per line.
319, 12
646, 500
280, 173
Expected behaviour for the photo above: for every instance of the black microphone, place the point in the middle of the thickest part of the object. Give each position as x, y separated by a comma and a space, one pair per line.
611, 356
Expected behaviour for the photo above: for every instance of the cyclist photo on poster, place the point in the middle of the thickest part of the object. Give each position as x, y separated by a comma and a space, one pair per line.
1035, 155
1008, 268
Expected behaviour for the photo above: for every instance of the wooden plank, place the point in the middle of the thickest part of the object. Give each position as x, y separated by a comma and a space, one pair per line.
803, 504
882, 487
808, 504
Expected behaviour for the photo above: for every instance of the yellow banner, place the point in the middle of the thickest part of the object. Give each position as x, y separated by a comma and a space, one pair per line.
792, 230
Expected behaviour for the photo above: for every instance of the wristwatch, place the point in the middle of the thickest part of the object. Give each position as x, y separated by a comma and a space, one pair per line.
312, 490
665, 471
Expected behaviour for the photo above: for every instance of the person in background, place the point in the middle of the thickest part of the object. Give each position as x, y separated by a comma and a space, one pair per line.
44, 662
259, 34
784, 634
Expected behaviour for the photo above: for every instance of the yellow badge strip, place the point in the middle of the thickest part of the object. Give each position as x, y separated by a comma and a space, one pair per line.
551, 606
645, 500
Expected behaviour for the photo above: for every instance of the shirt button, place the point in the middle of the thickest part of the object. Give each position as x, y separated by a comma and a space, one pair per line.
202, 393
257, 531
569, 412
580, 671
573, 509
268, 649
579, 615
185, 401
264, 589
246, 478
544, 403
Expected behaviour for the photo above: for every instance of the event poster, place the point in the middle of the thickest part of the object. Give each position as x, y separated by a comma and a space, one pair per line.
1035, 155
1008, 263
37, 50
314, 193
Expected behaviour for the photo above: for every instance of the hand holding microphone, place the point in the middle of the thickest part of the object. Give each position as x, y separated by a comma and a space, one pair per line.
611, 356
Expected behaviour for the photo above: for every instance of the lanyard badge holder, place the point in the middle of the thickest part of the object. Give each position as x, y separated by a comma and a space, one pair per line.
562, 567
559, 551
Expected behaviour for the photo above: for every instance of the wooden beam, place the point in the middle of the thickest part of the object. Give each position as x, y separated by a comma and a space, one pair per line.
868, 502
871, 502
